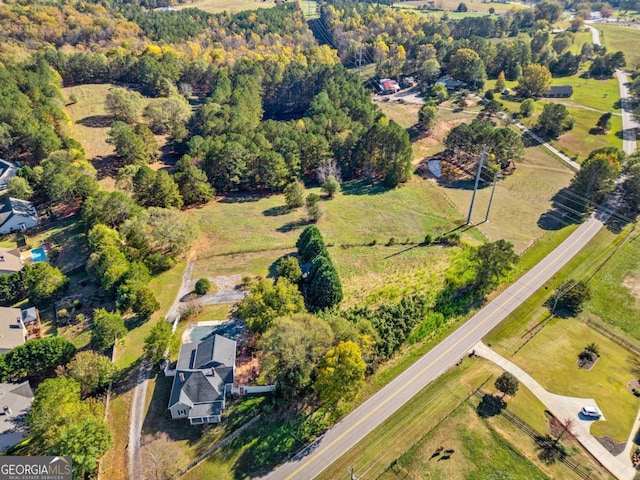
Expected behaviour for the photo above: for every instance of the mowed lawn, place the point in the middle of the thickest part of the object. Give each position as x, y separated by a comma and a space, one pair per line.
474, 6
551, 356
616, 37
412, 434
519, 200
616, 291
90, 120
246, 235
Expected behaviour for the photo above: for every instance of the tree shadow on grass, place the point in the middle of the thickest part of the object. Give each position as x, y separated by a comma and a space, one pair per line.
289, 226
358, 187
96, 121
240, 198
490, 406
565, 210
276, 211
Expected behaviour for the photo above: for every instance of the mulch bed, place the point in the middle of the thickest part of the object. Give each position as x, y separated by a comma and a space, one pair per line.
615, 448
585, 362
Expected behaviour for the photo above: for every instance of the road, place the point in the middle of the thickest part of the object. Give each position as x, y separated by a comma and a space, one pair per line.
314, 458
335, 442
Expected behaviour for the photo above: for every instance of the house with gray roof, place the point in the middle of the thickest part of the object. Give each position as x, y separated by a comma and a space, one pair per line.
205, 374
10, 261
559, 91
16, 214
7, 170
15, 403
12, 329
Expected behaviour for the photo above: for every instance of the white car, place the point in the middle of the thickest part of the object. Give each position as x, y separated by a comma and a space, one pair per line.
591, 412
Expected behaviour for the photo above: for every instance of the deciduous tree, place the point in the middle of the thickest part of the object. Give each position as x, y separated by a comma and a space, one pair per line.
340, 374
94, 372
535, 81
123, 104
107, 327
158, 340
507, 384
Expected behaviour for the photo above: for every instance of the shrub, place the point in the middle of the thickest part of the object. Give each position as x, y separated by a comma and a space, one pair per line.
203, 285
428, 239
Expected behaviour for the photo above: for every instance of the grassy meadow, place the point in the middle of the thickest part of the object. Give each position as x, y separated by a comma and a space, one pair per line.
410, 440
616, 37
246, 235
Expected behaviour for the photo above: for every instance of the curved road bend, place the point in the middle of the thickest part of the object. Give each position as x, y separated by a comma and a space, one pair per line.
311, 461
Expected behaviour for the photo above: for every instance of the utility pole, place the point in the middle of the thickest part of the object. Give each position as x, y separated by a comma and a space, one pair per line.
359, 59
493, 189
475, 188
353, 475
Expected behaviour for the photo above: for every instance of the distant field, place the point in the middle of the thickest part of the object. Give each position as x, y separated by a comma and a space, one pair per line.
234, 6
474, 6
91, 121
620, 38
519, 200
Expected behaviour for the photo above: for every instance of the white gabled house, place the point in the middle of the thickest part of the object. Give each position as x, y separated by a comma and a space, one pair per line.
16, 214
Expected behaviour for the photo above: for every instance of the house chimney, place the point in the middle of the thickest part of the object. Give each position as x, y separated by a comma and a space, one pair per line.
181, 377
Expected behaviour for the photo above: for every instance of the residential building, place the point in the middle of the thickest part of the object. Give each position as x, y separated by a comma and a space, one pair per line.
388, 86
205, 374
559, 91
15, 403
12, 329
450, 83
16, 214
10, 261
7, 171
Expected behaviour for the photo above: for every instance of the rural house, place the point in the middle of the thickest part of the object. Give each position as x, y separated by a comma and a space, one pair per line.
388, 86
16, 214
7, 171
205, 373
10, 261
559, 91
16, 403
12, 329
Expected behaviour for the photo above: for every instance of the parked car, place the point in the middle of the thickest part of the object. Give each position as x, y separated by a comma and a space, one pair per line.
591, 412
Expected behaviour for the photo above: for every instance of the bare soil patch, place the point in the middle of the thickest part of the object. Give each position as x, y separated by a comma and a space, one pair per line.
633, 285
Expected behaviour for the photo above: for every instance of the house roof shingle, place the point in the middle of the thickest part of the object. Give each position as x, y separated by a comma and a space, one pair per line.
11, 329
10, 260
15, 207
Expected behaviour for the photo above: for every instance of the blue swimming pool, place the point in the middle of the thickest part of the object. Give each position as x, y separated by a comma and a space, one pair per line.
39, 254
231, 329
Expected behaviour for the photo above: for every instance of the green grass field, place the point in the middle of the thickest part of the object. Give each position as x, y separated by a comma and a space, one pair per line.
616, 293
90, 120
412, 438
234, 6
550, 357
476, 7
508, 336
246, 235
615, 38
519, 200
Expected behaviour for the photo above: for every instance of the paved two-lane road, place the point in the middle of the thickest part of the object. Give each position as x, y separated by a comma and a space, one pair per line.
336, 441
